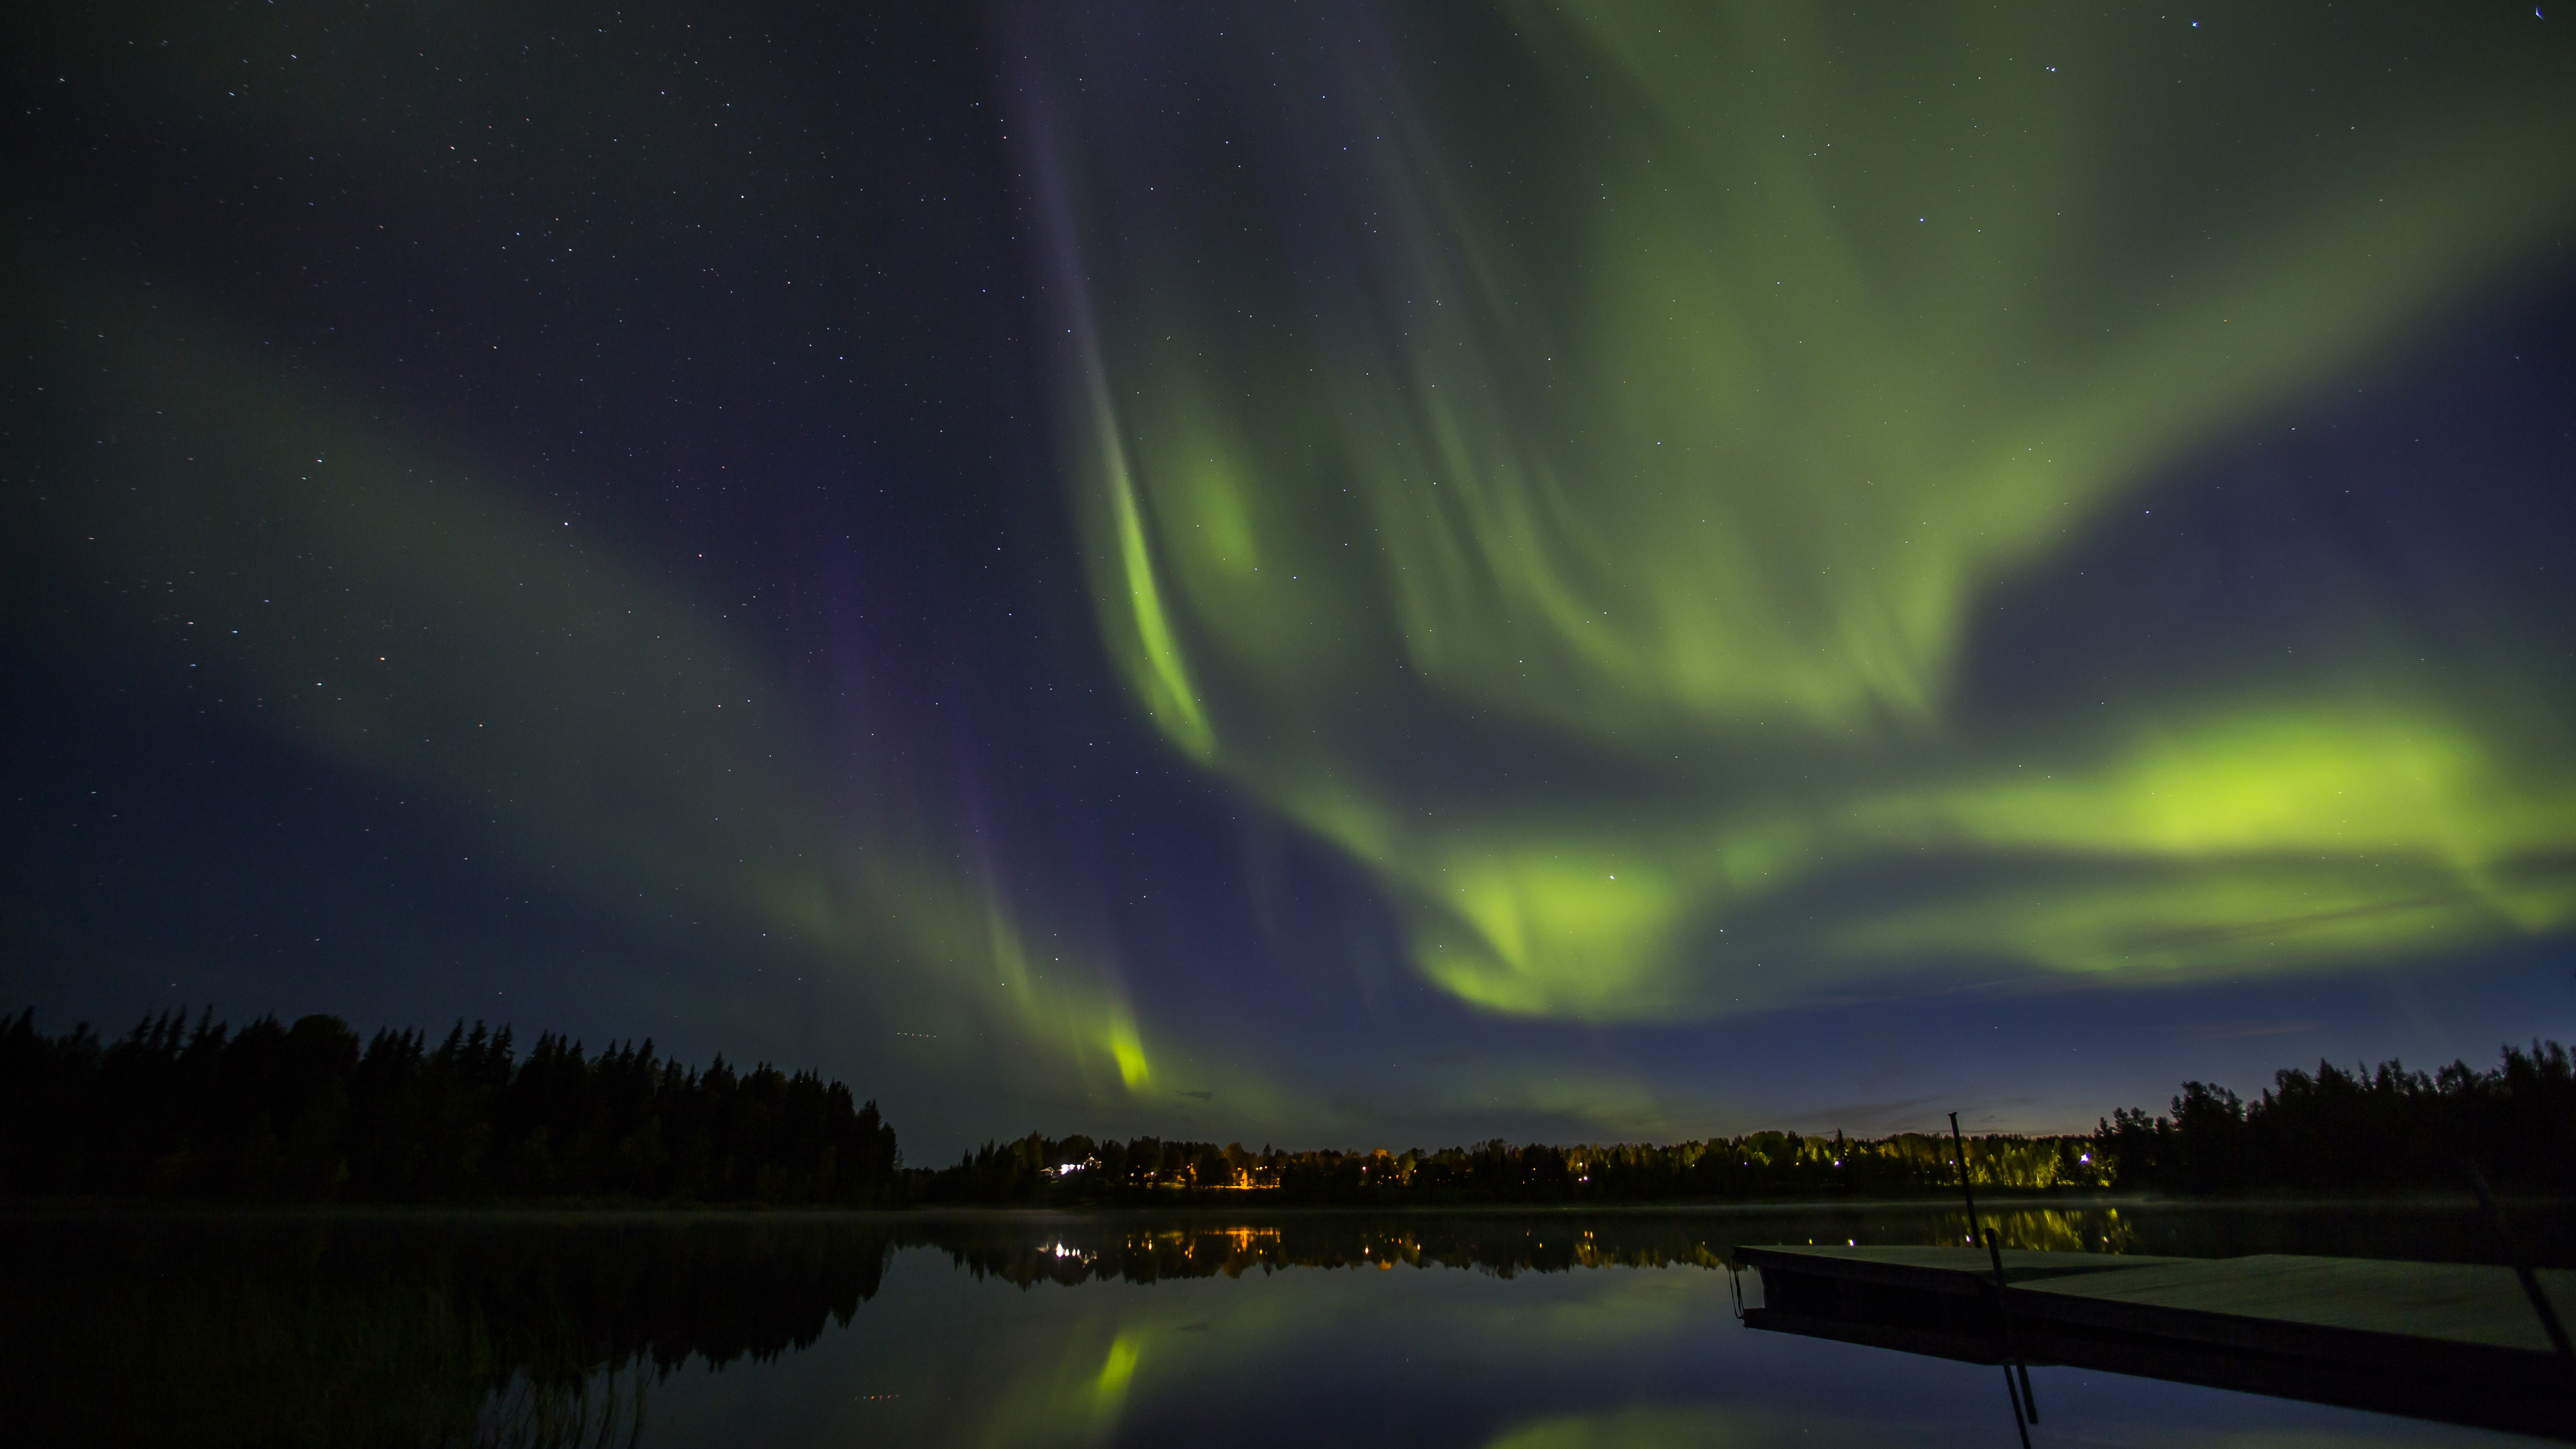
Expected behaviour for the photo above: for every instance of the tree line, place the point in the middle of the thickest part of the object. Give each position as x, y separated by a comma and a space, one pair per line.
309, 1113
1080, 1169
2369, 1129
2366, 1129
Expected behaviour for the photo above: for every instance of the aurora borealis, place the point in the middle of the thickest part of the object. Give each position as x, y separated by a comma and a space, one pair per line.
1333, 573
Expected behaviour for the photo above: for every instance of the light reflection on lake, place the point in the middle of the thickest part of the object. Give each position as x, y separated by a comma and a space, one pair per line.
1527, 1330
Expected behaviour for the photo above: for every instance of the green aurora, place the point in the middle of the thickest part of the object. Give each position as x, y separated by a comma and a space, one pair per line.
1569, 479
397, 606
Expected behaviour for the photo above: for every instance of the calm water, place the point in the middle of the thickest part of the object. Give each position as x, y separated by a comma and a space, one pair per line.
1527, 1330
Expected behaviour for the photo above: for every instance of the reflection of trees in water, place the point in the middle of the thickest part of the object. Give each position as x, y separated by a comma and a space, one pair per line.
1069, 1249
1076, 1250
2092, 1230
550, 1330
491, 1330
589, 1414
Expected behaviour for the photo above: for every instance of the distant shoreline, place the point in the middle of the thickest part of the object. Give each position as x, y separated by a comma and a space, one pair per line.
102, 1209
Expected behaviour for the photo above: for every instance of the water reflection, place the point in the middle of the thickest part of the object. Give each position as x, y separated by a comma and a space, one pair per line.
1470, 1329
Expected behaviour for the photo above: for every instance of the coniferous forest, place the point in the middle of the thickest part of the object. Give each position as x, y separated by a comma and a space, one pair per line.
307, 1112
2363, 1130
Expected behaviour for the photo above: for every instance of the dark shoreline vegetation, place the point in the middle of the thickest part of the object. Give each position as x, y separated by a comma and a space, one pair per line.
305, 1113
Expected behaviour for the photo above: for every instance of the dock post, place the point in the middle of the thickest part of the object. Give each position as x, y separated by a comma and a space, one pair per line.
2521, 1264
2024, 1404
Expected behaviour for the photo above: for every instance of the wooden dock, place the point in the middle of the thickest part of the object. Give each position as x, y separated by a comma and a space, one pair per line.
2456, 1342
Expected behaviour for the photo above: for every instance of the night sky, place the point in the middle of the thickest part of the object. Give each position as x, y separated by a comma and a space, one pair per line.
1328, 574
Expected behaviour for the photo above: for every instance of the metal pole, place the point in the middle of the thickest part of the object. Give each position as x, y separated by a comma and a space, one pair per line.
2025, 1404
2030, 1401
2521, 1263
1959, 1144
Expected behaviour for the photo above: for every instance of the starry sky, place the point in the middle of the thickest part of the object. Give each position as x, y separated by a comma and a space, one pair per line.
1329, 574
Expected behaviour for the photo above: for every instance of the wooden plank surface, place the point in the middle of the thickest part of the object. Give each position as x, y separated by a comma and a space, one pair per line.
2447, 1341
2449, 1302
2463, 1303
2021, 1265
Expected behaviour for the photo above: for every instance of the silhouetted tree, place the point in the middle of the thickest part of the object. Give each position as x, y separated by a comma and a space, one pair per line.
2366, 1129
302, 1112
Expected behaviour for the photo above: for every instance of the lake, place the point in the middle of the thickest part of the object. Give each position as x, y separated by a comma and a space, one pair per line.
1508, 1329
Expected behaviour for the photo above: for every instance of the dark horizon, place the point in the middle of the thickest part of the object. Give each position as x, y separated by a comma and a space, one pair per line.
182, 1110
